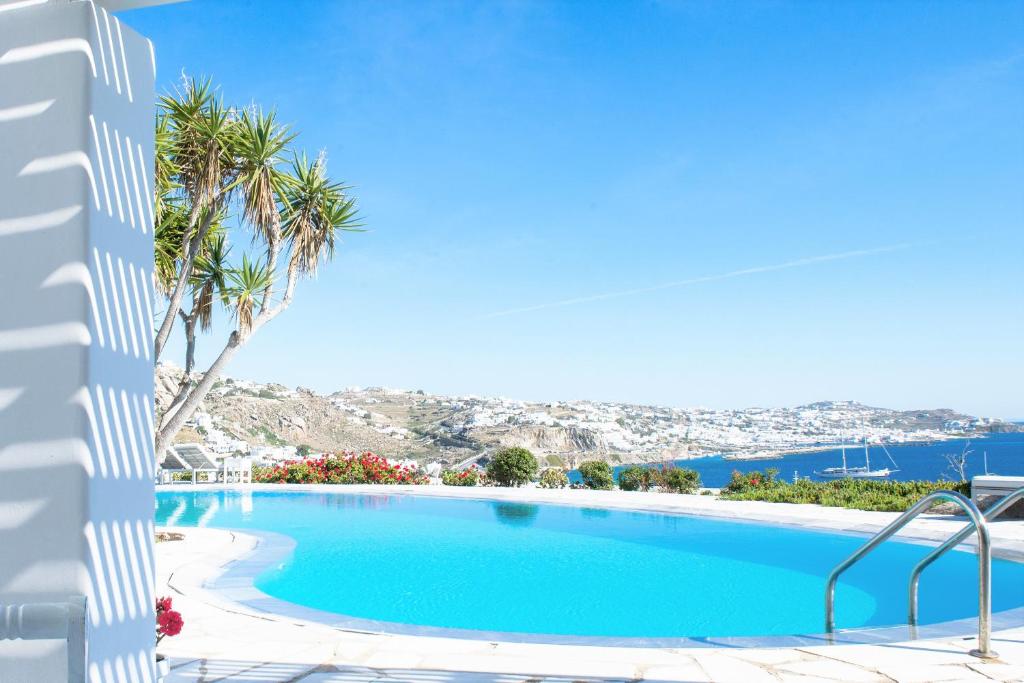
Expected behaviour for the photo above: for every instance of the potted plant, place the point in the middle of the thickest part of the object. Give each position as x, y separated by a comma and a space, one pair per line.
168, 623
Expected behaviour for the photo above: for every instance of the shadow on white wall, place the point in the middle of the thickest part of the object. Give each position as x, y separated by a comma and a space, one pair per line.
76, 373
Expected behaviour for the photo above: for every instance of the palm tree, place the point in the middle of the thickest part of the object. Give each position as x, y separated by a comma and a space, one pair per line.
214, 158
197, 150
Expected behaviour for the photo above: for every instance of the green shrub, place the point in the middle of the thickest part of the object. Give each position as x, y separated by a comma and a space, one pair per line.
636, 478
470, 477
512, 467
553, 478
751, 481
858, 494
679, 480
596, 474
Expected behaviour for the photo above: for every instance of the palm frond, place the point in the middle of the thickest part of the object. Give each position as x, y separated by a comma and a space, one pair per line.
315, 209
259, 143
168, 233
209, 278
248, 282
202, 128
165, 169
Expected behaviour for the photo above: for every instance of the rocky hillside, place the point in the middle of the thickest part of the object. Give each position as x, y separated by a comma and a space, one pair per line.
273, 415
456, 429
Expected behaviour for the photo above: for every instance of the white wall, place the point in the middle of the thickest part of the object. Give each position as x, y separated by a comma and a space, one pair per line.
76, 375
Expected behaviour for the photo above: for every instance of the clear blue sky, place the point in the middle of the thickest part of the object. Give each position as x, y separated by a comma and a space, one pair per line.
516, 161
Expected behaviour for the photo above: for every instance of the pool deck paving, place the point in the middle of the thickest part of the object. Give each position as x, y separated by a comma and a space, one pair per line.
224, 640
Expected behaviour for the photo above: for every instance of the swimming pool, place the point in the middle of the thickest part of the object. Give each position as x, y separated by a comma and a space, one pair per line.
516, 568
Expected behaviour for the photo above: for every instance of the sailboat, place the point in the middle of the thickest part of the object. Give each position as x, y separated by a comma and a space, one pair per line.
864, 472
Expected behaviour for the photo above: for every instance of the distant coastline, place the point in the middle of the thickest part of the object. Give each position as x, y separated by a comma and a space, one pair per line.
768, 454
821, 448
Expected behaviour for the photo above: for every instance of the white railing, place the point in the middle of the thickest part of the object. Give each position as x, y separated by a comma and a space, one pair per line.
50, 621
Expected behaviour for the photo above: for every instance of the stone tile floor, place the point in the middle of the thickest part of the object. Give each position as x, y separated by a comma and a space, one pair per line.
224, 641
938, 664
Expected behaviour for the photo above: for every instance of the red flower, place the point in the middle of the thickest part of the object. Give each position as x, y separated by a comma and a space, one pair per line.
169, 623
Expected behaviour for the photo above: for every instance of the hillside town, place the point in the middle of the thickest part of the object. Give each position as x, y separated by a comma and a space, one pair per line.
271, 422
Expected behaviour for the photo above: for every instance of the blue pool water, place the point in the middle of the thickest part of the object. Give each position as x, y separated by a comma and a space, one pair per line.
546, 569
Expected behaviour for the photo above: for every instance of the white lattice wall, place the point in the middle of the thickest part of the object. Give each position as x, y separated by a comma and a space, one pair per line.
76, 373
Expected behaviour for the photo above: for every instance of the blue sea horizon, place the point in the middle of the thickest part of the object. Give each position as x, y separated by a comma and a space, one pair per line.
917, 461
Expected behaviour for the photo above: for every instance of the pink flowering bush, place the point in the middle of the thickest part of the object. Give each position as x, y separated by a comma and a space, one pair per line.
467, 477
339, 468
168, 621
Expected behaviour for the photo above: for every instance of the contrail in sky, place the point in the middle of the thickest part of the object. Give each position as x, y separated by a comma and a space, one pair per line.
799, 263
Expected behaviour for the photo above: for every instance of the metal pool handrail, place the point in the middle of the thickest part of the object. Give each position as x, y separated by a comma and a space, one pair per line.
992, 513
976, 523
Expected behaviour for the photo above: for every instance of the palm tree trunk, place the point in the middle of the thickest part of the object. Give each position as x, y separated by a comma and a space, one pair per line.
186, 380
173, 422
189, 248
183, 390
190, 342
